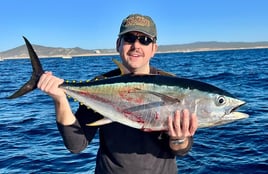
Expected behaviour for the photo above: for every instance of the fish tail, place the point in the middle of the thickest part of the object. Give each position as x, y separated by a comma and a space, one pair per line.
36, 74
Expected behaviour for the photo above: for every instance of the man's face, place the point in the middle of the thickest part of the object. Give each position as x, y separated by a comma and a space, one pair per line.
136, 51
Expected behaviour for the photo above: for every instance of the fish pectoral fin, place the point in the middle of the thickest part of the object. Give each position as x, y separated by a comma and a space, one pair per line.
166, 98
100, 122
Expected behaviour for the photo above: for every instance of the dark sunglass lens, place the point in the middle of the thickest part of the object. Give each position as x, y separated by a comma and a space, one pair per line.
145, 40
130, 38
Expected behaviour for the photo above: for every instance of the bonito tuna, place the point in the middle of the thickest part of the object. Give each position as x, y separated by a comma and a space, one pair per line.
145, 101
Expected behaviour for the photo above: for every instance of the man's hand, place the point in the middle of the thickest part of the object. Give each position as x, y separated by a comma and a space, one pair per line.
182, 126
50, 85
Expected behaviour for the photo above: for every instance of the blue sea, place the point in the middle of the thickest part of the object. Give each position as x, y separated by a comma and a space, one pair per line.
31, 143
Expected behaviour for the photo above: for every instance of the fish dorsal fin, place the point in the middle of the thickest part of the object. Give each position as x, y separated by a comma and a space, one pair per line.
100, 122
122, 68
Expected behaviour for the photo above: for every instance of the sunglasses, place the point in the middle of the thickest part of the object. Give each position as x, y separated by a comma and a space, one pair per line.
131, 38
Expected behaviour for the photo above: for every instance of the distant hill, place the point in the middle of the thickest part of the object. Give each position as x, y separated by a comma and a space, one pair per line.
208, 46
42, 51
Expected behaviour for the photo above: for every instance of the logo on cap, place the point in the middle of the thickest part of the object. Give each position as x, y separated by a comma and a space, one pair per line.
137, 21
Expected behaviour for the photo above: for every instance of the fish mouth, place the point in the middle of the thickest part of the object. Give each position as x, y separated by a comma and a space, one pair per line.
233, 115
236, 108
238, 105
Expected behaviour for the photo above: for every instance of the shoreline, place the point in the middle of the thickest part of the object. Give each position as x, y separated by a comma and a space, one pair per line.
115, 53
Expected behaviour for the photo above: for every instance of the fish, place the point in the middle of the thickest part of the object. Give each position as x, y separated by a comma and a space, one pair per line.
144, 101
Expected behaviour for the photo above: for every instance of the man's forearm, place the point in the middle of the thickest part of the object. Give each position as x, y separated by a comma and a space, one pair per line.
64, 114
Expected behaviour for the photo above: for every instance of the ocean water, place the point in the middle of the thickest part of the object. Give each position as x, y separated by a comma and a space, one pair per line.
30, 142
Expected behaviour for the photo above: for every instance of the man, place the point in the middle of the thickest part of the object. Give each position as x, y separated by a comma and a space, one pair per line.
123, 149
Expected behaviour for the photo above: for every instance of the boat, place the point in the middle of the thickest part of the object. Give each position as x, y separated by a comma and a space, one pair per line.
67, 57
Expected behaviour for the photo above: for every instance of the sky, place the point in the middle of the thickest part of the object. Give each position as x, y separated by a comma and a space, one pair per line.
94, 24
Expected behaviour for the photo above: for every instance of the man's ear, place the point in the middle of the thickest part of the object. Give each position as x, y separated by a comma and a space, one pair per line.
118, 42
154, 49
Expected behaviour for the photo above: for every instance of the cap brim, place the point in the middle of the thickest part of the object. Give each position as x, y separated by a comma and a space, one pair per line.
133, 29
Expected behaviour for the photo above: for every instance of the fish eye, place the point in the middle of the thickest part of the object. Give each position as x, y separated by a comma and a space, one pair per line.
220, 101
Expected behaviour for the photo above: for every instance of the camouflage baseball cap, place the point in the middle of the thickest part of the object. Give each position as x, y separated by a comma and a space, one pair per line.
140, 23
